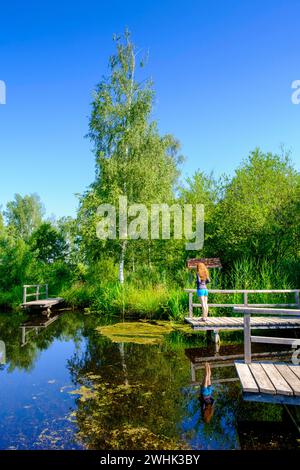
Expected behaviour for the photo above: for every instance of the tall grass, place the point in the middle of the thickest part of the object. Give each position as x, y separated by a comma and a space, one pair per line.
152, 293
248, 273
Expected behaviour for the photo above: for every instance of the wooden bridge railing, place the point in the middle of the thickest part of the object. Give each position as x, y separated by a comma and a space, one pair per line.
248, 339
37, 293
245, 293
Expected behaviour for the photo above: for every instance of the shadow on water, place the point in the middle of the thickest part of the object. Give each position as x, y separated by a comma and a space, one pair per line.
68, 383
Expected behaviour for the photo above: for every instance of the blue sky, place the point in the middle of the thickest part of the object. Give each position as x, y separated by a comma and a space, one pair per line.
222, 71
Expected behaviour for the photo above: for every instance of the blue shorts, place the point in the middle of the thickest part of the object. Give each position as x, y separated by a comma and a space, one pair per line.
202, 292
206, 391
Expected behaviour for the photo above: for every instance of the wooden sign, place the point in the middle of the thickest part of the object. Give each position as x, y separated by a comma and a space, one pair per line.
209, 262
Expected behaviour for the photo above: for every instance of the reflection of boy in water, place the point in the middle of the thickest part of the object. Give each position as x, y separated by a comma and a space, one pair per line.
206, 398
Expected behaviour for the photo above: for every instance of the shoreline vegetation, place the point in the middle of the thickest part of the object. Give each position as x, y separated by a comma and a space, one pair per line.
165, 299
252, 217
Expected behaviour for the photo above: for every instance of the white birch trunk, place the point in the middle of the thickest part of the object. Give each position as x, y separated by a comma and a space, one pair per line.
121, 265
123, 249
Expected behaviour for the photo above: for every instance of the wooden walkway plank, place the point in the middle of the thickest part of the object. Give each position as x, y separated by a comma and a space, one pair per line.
281, 386
238, 323
234, 321
295, 369
276, 382
290, 377
261, 378
246, 378
43, 302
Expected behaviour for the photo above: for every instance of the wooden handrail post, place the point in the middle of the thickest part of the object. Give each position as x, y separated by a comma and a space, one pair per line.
37, 292
297, 302
193, 372
24, 294
46, 286
247, 338
245, 298
190, 304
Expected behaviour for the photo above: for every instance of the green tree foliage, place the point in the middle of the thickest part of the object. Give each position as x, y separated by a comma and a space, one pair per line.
2, 229
32, 251
132, 158
14, 260
23, 215
47, 244
202, 188
258, 214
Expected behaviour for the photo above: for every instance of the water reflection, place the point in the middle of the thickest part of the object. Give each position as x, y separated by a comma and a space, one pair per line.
66, 386
35, 325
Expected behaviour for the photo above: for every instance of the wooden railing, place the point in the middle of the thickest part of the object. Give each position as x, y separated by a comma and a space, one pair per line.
248, 339
245, 293
37, 293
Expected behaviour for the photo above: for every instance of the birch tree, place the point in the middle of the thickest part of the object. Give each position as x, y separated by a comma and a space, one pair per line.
132, 158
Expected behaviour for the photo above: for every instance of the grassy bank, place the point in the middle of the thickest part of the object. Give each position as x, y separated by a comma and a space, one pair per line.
159, 293
156, 295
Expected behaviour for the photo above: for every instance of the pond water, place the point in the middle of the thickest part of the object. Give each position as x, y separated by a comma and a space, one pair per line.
74, 385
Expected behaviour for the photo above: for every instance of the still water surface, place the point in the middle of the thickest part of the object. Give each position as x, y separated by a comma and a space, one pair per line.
67, 386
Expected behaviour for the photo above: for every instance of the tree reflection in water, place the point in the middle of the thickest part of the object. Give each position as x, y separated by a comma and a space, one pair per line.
128, 395
138, 396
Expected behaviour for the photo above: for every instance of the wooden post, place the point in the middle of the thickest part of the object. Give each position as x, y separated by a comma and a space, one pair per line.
24, 294
46, 286
297, 298
247, 339
190, 304
37, 292
245, 298
216, 337
193, 372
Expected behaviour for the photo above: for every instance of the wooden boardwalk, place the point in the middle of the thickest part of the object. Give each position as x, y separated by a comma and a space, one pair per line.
237, 323
39, 304
280, 381
246, 294
273, 382
43, 303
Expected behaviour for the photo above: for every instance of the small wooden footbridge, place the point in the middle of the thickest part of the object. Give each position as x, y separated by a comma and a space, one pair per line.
42, 302
274, 382
217, 324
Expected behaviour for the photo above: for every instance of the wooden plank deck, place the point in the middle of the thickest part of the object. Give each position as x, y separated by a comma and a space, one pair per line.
260, 379
42, 303
237, 323
246, 378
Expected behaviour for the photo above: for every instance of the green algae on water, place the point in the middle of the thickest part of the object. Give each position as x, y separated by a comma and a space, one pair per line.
141, 332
